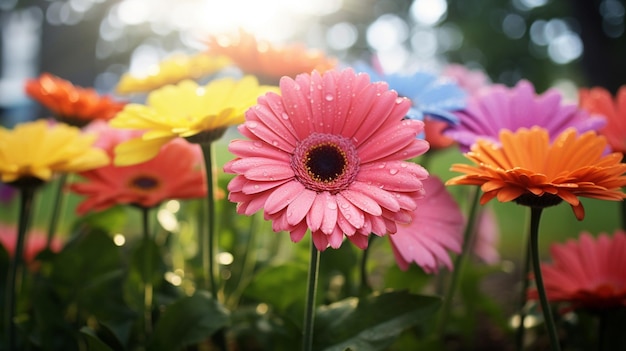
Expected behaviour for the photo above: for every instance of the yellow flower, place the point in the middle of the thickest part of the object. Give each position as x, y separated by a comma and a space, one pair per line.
39, 149
171, 71
184, 110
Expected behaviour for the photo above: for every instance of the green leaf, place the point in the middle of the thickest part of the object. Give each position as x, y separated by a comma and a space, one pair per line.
92, 340
188, 321
280, 286
372, 323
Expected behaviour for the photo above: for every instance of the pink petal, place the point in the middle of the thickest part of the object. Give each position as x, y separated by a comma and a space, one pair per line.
350, 212
270, 172
362, 201
282, 196
300, 206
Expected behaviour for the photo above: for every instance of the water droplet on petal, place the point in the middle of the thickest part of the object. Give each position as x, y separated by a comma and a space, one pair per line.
329, 97
344, 205
275, 143
399, 100
252, 124
332, 205
319, 86
393, 171
284, 115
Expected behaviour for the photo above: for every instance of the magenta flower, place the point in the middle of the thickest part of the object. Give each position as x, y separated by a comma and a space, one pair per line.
498, 107
327, 155
437, 228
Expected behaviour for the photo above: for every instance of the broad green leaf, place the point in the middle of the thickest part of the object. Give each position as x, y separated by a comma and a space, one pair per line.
372, 323
187, 321
93, 342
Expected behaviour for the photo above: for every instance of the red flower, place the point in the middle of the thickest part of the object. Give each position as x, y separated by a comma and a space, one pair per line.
71, 104
599, 101
588, 273
175, 173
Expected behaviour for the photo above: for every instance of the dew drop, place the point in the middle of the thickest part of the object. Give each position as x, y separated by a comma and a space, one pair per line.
319, 87
393, 171
256, 186
252, 124
399, 100
403, 165
275, 143
257, 144
329, 97
332, 206
344, 206
284, 115
296, 87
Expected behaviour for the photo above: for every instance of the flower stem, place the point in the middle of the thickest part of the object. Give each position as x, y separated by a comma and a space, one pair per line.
147, 273
311, 291
57, 208
521, 330
458, 264
27, 194
535, 216
208, 244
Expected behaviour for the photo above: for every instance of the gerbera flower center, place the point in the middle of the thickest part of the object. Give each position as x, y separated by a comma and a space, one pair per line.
144, 183
325, 162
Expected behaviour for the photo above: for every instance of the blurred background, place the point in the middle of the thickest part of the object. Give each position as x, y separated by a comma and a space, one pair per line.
553, 43
560, 43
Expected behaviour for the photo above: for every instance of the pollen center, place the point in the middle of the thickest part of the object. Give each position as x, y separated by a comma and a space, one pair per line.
144, 183
325, 162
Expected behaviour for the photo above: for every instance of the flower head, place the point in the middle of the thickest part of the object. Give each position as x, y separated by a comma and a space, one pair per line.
184, 110
71, 104
498, 107
430, 94
328, 155
267, 61
39, 149
472, 81
36, 241
599, 101
588, 273
175, 173
437, 227
529, 170
171, 71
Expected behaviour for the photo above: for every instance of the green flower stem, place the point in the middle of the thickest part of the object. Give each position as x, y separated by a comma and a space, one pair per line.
57, 208
458, 264
623, 214
535, 216
147, 273
311, 291
519, 334
27, 194
208, 243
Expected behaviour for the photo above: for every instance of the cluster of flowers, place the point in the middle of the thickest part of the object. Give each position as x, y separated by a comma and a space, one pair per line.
329, 150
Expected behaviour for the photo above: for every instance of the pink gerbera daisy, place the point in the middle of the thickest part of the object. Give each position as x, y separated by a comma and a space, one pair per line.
175, 173
328, 155
437, 227
588, 273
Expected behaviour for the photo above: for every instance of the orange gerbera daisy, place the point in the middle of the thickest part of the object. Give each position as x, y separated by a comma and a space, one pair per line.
71, 104
599, 100
529, 170
267, 61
